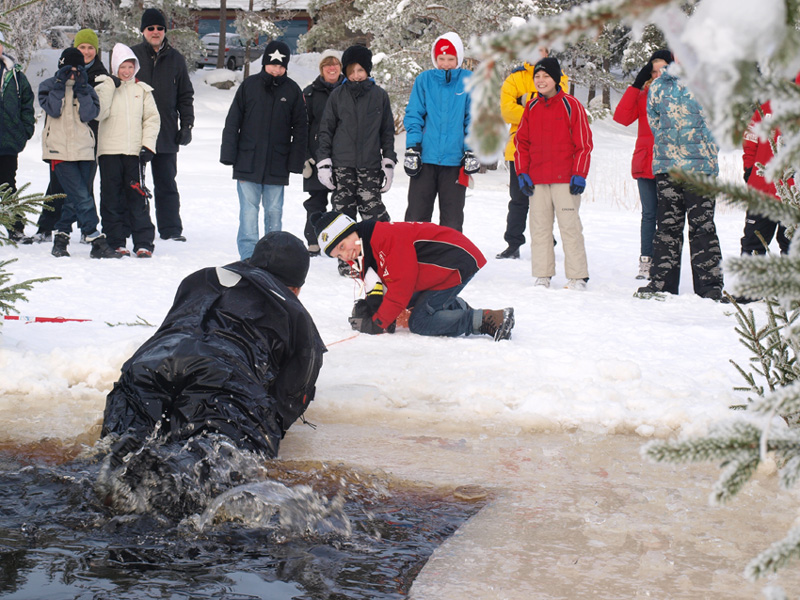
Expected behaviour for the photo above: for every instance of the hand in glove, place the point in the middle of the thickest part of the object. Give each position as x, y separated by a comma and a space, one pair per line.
576, 185
644, 76
388, 174
525, 184
63, 74
184, 136
325, 173
523, 100
81, 82
470, 163
361, 319
146, 155
747, 172
412, 163
308, 168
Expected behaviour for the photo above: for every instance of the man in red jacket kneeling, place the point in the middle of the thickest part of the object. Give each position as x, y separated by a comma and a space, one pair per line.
421, 266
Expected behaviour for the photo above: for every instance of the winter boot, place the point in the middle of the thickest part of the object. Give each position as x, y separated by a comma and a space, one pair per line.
314, 250
497, 323
644, 267
101, 249
510, 252
60, 243
576, 284
542, 282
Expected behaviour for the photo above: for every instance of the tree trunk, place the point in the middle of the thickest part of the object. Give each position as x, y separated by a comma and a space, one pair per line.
223, 29
248, 44
592, 93
606, 88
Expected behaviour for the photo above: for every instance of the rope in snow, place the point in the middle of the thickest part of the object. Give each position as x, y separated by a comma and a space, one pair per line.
27, 319
343, 340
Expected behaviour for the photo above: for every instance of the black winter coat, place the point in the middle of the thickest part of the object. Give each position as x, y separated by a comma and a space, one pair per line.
97, 68
357, 128
237, 354
316, 96
266, 130
17, 120
166, 72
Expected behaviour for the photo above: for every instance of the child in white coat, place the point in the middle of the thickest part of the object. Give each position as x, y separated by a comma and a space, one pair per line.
129, 124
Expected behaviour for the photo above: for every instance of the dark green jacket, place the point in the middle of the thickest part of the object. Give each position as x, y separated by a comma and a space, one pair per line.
16, 108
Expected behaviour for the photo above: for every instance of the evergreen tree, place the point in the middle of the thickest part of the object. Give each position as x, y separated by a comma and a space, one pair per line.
331, 28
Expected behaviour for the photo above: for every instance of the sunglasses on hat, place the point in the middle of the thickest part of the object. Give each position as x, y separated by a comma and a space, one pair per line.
155, 28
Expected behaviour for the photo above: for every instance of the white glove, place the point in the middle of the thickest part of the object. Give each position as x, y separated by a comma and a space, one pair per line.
325, 173
388, 174
308, 168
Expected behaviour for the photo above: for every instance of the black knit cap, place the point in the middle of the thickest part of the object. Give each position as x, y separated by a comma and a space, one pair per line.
663, 55
331, 228
71, 57
277, 53
550, 66
357, 54
152, 16
283, 255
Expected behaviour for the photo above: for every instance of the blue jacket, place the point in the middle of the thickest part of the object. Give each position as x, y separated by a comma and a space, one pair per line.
681, 138
437, 116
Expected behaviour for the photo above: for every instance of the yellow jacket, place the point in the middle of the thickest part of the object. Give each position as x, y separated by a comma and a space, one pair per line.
517, 89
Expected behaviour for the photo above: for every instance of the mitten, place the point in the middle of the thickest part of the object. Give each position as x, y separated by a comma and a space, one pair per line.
525, 184
361, 319
470, 163
184, 136
644, 76
576, 185
412, 162
308, 168
146, 155
388, 174
325, 173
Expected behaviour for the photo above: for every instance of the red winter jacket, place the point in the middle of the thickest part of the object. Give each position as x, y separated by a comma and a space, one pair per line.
758, 150
632, 107
416, 257
554, 141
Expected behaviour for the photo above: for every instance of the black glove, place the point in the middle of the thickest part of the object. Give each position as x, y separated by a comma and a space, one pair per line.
361, 319
63, 74
747, 172
117, 81
184, 136
644, 76
81, 82
470, 163
146, 155
412, 162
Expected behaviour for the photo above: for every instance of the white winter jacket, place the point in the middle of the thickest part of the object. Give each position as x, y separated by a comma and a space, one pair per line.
128, 118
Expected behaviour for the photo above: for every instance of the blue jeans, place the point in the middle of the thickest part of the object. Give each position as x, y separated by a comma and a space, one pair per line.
251, 195
649, 199
442, 312
76, 179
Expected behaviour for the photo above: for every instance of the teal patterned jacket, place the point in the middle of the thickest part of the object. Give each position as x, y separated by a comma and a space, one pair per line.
681, 137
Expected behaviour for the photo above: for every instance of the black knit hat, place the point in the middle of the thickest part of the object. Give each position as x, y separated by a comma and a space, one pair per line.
152, 16
357, 54
663, 55
283, 255
331, 228
71, 57
277, 53
550, 66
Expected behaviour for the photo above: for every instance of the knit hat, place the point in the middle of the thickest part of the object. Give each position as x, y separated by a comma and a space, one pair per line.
448, 43
71, 57
550, 66
360, 55
152, 16
663, 55
331, 228
328, 54
86, 36
277, 53
284, 256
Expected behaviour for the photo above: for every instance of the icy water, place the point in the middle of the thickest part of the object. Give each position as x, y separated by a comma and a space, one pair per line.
305, 530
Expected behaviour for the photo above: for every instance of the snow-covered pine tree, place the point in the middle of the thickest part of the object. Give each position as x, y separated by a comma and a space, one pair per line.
331, 28
745, 62
250, 25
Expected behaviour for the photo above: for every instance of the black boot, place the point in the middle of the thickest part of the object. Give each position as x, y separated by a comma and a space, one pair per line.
497, 323
101, 249
510, 252
60, 243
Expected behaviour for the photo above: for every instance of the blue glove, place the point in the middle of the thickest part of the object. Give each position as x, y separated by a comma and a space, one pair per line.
525, 184
576, 185
81, 82
63, 74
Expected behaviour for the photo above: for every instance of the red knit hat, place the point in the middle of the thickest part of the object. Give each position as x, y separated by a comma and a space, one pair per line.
444, 46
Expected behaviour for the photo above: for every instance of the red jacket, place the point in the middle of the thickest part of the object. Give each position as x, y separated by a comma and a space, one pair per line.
758, 150
632, 107
416, 257
554, 141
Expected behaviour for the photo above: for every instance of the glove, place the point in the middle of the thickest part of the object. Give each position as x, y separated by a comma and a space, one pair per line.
146, 155
81, 82
325, 173
184, 136
63, 74
308, 168
470, 163
747, 172
388, 174
117, 81
412, 163
374, 298
361, 319
523, 100
644, 76
576, 185
525, 184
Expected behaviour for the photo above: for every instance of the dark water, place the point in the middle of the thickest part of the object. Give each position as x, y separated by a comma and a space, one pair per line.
301, 530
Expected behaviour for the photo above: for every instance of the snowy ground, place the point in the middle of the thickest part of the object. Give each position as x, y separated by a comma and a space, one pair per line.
588, 364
